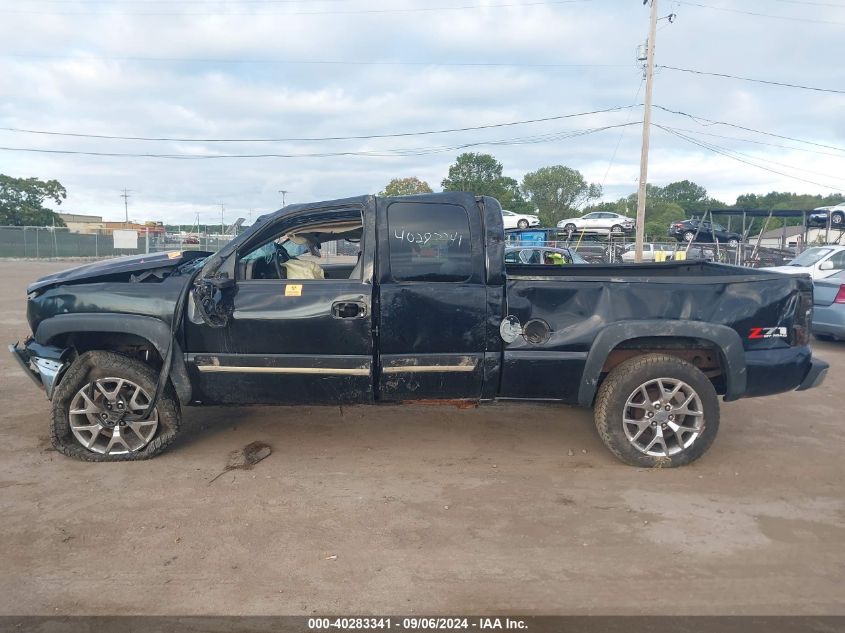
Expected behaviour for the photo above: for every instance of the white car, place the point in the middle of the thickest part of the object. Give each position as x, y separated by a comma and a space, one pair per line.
513, 220
818, 262
649, 251
598, 221
820, 215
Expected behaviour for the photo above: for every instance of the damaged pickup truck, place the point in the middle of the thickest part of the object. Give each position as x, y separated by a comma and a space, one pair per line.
377, 300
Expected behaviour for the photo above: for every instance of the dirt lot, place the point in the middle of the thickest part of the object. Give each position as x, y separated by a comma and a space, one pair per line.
506, 508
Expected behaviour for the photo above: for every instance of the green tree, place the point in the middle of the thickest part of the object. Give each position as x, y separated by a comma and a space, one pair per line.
558, 191
22, 201
481, 174
406, 187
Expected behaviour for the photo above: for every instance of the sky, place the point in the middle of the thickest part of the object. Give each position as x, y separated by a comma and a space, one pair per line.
287, 69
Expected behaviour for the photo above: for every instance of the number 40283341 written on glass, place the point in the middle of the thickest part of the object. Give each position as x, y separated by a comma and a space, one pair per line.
415, 237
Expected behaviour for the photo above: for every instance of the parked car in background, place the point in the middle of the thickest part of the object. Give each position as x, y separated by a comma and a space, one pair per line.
829, 307
191, 239
820, 215
706, 232
818, 262
701, 253
542, 255
513, 220
649, 250
602, 221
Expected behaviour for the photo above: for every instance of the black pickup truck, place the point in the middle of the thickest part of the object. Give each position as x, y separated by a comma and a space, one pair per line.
394, 300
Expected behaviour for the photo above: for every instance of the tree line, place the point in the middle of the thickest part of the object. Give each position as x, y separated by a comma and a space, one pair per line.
557, 192
554, 193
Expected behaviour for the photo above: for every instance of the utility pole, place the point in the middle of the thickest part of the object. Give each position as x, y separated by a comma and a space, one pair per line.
125, 195
222, 224
649, 84
284, 192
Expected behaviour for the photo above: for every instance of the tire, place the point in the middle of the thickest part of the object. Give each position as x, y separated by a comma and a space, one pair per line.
689, 236
522, 224
110, 382
615, 229
733, 243
569, 228
619, 395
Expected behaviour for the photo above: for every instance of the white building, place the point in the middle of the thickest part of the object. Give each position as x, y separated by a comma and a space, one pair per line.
793, 237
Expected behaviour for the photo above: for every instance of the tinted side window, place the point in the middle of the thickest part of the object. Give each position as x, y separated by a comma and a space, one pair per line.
428, 242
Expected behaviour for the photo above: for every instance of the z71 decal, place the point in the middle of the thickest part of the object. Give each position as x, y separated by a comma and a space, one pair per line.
768, 332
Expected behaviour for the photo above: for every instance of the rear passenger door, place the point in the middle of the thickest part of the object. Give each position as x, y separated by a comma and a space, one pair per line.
432, 303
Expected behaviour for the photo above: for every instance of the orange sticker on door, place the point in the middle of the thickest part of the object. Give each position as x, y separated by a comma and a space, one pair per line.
293, 290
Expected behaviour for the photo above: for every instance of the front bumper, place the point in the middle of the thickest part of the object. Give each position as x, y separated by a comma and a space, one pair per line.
42, 363
816, 375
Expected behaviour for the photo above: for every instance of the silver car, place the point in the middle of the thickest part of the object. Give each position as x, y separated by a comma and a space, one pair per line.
599, 221
829, 306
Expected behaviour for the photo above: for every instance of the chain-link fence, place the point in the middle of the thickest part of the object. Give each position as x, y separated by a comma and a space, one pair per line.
48, 242
599, 249
52, 243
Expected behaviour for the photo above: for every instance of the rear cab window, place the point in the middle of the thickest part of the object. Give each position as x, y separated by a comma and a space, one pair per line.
429, 242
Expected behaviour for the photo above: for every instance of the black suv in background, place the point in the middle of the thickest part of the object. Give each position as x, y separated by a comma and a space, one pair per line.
708, 233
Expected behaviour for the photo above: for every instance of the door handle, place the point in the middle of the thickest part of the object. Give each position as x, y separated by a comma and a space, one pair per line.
349, 309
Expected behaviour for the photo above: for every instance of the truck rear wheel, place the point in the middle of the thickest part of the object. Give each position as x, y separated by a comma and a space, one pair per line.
657, 411
98, 410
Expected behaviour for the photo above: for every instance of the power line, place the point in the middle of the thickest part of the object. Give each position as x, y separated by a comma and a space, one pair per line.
814, 4
699, 119
764, 160
727, 153
760, 81
762, 15
389, 153
755, 142
621, 134
314, 139
306, 62
302, 13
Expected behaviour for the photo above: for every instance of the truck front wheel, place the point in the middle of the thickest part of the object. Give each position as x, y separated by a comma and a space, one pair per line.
99, 408
657, 411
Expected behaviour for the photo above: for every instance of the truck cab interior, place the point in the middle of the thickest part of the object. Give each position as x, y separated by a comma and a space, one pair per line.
322, 251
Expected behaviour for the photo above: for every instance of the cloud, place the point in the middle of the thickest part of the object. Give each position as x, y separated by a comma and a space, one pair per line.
216, 69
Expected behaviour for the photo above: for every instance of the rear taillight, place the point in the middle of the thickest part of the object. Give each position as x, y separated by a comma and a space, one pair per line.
678, 226
840, 296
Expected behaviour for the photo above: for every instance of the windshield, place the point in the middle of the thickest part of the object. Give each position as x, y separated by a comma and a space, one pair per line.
810, 257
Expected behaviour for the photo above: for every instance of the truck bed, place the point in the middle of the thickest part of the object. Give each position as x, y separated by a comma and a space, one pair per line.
578, 304
650, 270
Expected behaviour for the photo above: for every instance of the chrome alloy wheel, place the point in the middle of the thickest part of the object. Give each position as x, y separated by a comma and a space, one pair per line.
663, 417
105, 417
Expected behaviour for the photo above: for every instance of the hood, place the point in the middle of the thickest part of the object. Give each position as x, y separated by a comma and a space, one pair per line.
90, 273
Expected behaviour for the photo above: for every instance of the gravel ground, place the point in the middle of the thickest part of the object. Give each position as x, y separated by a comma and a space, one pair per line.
504, 508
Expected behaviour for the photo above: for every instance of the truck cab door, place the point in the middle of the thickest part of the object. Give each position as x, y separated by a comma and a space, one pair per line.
432, 298
292, 339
